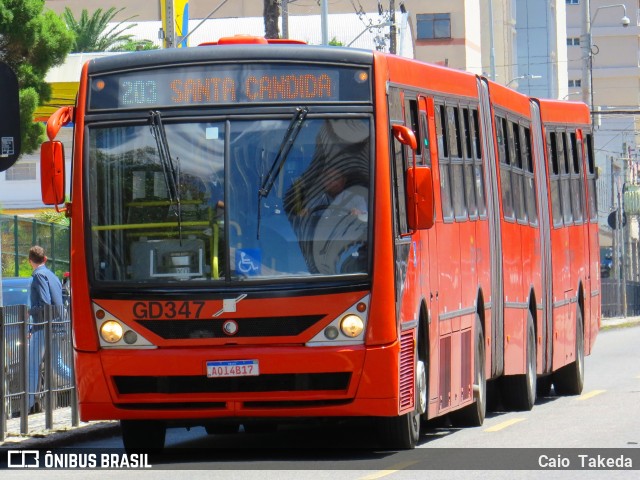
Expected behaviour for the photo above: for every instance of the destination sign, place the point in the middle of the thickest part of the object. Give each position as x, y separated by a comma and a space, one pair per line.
229, 84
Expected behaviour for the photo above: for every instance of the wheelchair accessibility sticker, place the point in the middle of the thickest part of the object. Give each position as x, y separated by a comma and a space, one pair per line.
249, 261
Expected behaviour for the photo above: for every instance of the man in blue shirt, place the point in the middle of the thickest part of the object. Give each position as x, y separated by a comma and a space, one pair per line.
46, 303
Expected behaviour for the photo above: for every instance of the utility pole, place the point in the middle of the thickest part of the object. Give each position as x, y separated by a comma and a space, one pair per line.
324, 21
392, 29
168, 31
492, 48
285, 18
587, 65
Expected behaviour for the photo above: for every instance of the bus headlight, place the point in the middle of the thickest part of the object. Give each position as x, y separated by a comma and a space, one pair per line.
351, 325
111, 331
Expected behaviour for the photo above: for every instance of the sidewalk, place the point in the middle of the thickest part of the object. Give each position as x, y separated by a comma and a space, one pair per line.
615, 322
64, 434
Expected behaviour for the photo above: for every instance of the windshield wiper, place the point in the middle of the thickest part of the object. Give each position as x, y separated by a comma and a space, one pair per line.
285, 146
170, 171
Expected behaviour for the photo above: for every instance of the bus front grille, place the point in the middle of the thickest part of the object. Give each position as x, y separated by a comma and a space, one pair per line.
299, 382
246, 327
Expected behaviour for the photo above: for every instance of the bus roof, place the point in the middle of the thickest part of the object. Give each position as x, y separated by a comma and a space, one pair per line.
509, 99
556, 111
230, 53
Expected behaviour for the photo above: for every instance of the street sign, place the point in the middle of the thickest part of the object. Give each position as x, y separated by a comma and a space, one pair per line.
10, 118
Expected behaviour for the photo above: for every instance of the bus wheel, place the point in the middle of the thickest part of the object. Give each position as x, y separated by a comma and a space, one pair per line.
142, 435
569, 380
403, 432
473, 415
519, 391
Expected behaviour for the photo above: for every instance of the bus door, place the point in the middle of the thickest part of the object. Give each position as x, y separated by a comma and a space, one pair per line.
430, 250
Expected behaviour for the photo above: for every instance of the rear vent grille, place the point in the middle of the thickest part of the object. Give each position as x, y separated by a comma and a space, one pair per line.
407, 371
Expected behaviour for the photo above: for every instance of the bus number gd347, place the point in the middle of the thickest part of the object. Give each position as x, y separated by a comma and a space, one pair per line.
155, 310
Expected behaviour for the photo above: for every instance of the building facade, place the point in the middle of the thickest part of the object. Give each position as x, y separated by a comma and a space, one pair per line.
615, 91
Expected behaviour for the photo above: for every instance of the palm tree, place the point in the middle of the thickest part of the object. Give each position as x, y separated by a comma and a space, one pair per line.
90, 32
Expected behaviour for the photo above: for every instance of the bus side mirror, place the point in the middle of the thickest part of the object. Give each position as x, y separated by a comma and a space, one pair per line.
420, 212
405, 136
52, 178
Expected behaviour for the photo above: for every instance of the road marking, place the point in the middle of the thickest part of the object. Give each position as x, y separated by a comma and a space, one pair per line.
504, 425
394, 469
591, 394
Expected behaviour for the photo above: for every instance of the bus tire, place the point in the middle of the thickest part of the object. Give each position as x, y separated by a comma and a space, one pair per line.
142, 435
569, 380
473, 415
519, 391
400, 433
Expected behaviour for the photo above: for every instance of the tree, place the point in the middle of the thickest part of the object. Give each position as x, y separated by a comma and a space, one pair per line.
91, 33
135, 45
271, 14
31, 42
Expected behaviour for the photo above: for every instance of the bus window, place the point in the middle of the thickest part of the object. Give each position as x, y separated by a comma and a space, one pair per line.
469, 175
517, 175
556, 206
399, 192
456, 172
478, 172
444, 162
424, 134
411, 109
505, 171
591, 179
565, 186
189, 215
530, 186
577, 182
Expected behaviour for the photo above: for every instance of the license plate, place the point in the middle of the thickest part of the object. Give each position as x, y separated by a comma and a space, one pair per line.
233, 368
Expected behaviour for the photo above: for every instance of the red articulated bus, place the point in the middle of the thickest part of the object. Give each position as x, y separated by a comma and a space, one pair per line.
267, 232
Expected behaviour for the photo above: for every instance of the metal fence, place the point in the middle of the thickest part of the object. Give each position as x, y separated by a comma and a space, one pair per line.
613, 298
20, 234
36, 364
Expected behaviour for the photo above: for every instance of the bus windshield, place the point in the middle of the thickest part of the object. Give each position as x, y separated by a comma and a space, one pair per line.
185, 201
